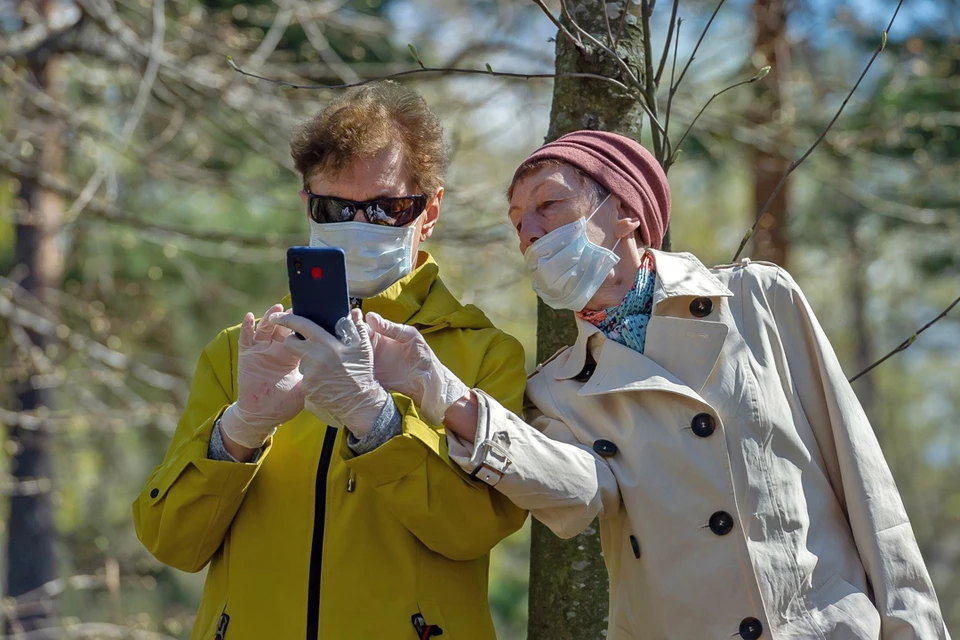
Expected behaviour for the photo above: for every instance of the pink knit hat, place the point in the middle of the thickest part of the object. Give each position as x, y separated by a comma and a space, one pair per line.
624, 168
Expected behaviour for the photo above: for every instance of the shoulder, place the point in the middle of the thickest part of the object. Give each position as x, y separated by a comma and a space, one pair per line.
750, 274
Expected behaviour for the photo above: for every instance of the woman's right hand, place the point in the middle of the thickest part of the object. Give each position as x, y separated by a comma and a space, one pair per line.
269, 389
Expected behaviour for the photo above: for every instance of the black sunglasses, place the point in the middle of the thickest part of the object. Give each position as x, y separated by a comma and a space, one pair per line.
390, 212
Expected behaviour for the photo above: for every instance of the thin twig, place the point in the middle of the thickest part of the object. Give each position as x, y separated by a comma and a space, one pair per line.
425, 69
562, 29
623, 21
796, 163
666, 45
760, 75
673, 87
650, 91
903, 346
673, 70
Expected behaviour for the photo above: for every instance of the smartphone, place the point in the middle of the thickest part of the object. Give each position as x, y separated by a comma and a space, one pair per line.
318, 285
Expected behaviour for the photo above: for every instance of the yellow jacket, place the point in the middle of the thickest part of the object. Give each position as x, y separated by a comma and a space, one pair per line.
403, 530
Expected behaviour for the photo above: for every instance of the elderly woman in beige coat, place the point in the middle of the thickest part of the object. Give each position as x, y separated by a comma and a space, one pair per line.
701, 414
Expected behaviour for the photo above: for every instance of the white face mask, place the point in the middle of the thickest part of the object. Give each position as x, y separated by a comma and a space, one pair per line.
567, 267
376, 255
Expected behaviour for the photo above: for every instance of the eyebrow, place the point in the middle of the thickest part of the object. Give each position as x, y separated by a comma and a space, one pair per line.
537, 191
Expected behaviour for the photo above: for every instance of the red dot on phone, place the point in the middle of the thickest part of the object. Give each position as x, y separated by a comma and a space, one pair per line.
316, 273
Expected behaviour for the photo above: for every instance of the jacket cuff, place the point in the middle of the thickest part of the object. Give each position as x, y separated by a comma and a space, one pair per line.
388, 424
486, 458
398, 456
218, 451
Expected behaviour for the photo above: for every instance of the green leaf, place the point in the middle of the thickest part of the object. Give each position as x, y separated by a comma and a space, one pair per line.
883, 41
489, 68
762, 73
413, 52
232, 63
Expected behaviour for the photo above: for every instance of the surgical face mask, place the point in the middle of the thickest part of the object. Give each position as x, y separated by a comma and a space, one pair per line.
567, 267
376, 255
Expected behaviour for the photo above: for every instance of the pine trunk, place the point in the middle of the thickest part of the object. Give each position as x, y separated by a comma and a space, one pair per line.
30, 542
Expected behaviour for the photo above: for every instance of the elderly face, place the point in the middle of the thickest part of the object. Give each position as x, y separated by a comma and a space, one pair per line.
381, 176
553, 196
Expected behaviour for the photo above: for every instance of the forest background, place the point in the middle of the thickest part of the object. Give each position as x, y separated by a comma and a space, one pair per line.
149, 186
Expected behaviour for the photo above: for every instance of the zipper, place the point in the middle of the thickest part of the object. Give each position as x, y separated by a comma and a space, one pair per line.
316, 547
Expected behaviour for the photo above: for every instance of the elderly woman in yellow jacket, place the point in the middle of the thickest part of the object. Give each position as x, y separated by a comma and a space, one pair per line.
701, 414
314, 532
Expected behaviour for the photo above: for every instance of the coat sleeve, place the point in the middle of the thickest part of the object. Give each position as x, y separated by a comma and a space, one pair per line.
446, 510
541, 467
189, 501
902, 589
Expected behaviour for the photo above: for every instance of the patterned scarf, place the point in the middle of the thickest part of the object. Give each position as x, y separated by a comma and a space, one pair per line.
626, 323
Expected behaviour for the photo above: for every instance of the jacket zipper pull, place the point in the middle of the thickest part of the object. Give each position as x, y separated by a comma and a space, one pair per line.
351, 482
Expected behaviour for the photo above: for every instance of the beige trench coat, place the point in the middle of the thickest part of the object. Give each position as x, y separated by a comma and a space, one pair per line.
740, 488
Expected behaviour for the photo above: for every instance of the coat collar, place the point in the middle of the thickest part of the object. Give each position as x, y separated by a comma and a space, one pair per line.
680, 352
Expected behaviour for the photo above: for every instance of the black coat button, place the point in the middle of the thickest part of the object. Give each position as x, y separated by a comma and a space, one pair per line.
154, 493
605, 448
751, 629
587, 372
703, 425
721, 523
701, 307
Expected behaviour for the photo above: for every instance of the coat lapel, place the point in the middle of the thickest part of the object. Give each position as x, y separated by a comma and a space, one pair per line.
680, 353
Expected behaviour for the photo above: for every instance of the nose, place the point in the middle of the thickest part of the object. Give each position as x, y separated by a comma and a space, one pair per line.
530, 231
361, 216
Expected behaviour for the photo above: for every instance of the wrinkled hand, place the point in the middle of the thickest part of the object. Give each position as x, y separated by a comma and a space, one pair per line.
405, 363
269, 390
338, 377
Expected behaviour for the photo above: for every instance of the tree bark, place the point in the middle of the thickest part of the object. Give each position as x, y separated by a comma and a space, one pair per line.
568, 579
30, 543
771, 241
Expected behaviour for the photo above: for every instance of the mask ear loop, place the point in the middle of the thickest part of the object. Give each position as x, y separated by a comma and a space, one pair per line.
603, 202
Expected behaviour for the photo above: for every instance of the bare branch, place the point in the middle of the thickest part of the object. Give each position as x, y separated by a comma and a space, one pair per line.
650, 89
666, 45
693, 54
903, 346
427, 70
760, 75
673, 71
562, 29
796, 163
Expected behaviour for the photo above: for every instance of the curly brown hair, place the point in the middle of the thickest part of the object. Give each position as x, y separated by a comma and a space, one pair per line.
366, 120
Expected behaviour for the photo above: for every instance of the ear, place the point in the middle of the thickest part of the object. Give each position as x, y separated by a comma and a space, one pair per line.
433, 214
626, 222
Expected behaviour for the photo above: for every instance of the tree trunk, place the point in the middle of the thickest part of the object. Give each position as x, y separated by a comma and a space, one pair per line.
771, 241
30, 543
568, 580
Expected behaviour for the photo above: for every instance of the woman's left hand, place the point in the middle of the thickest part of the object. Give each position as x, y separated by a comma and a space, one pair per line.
338, 379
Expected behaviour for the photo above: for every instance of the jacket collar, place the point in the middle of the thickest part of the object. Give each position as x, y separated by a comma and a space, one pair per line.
620, 368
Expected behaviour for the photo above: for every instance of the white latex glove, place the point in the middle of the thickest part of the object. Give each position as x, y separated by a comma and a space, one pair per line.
338, 374
269, 390
405, 363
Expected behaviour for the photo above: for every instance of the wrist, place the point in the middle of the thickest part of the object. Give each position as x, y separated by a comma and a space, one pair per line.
365, 418
240, 438
461, 416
